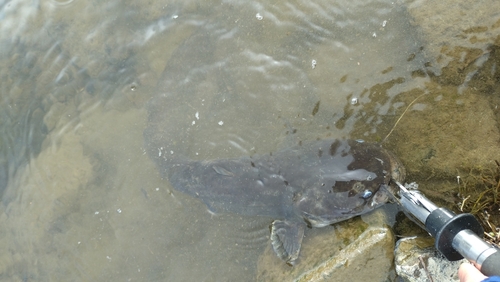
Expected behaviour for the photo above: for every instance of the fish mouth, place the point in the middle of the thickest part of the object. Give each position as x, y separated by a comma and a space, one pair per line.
380, 197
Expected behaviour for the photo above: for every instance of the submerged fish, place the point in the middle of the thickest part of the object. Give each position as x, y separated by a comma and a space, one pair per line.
315, 184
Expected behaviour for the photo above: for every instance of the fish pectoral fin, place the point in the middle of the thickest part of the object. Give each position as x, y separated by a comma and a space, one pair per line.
286, 239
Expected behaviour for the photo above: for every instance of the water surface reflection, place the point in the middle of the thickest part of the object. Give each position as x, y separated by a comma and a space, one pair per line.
81, 198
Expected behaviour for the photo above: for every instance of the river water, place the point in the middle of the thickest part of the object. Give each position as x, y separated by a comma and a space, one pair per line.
82, 201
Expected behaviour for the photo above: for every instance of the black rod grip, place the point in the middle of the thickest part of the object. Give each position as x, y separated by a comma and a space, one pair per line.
491, 265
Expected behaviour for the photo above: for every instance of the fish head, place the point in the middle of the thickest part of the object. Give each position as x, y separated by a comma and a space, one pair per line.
356, 181
319, 209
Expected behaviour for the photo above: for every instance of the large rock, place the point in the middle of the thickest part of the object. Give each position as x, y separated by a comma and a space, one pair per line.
451, 132
349, 251
452, 29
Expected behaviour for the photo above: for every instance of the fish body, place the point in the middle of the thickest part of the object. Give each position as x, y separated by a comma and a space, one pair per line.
314, 184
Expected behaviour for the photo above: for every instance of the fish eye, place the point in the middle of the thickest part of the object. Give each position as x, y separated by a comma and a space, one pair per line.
366, 194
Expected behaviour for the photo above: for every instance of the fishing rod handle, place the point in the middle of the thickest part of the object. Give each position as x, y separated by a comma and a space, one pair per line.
484, 256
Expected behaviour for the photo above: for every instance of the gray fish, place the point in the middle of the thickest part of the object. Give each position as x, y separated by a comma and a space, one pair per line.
315, 184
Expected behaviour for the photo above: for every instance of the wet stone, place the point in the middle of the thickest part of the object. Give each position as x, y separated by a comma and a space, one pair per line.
348, 251
469, 25
416, 260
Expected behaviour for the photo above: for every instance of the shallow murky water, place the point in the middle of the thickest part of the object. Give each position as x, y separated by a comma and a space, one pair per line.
80, 198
